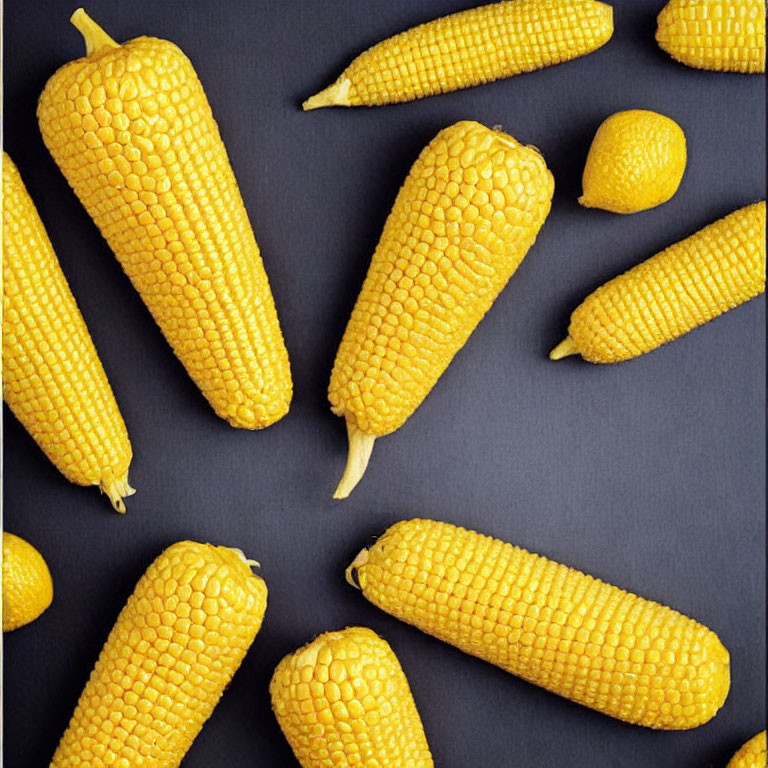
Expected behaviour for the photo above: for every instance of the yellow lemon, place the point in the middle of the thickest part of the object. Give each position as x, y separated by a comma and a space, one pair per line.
27, 585
636, 162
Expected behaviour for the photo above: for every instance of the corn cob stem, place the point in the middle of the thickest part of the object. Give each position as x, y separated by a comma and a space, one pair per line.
565, 348
335, 95
358, 456
96, 39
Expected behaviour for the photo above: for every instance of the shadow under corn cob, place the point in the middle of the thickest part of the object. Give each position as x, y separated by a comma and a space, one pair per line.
554, 626
53, 380
131, 129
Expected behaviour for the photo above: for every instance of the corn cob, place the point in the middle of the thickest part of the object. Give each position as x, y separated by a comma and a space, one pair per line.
752, 754
724, 35
53, 380
673, 292
470, 48
131, 129
176, 645
554, 626
343, 700
464, 219
27, 585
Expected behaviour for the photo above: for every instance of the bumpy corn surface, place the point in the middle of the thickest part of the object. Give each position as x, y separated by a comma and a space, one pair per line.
752, 754
636, 161
465, 217
53, 380
687, 284
344, 701
469, 48
175, 646
554, 626
725, 35
132, 131
27, 585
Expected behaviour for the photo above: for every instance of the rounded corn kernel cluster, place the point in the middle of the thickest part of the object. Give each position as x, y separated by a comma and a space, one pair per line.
343, 700
476, 46
27, 585
724, 35
53, 380
673, 292
173, 650
752, 754
636, 161
554, 626
465, 217
132, 131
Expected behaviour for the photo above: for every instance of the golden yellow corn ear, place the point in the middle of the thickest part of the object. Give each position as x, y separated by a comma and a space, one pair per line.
53, 380
176, 645
27, 584
131, 129
724, 35
469, 48
462, 222
554, 626
752, 754
343, 700
673, 292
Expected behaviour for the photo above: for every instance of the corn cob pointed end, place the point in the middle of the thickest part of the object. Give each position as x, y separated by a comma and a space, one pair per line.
352, 575
116, 490
336, 95
360, 447
96, 39
563, 349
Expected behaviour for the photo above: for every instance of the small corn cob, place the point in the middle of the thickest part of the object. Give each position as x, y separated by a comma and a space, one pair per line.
554, 626
465, 217
470, 48
724, 35
27, 584
53, 380
343, 700
175, 647
673, 292
752, 754
132, 131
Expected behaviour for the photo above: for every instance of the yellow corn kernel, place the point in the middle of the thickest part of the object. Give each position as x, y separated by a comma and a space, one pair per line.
469, 48
176, 645
131, 129
462, 222
752, 754
554, 626
53, 380
343, 700
673, 292
27, 585
725, 35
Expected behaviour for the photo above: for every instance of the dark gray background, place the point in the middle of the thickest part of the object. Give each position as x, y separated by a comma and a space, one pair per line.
648, 474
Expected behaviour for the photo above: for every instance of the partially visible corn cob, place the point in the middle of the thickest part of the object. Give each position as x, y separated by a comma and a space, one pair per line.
132, 131
27, 585
554, 626
725, 35
343, 700
462, 222
53, 380
752, 754
469, 48
173, 650
673, 292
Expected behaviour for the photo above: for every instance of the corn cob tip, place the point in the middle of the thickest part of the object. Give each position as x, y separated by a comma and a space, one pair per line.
96, 39
564, 349
336, 95
116, 490
360, 447
351, 574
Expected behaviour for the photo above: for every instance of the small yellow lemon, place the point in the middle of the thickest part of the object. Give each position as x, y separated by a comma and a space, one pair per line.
27, 585
636, 162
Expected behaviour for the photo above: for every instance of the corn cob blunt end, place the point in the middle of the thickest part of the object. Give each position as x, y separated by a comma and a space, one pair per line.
358, 456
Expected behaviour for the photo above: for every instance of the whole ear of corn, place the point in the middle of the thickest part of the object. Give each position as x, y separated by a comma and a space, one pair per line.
469, 48
27, 585
554, 626
53, 380
343, 700
132, 131
462, 222
752, 754
175, 647
673, 292
724, 35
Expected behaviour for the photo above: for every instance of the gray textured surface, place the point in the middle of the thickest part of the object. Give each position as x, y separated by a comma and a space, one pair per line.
649, 474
